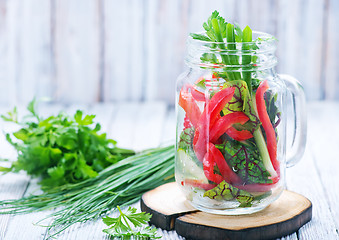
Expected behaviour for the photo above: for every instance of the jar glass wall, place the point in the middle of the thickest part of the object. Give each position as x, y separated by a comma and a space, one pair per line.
231, 126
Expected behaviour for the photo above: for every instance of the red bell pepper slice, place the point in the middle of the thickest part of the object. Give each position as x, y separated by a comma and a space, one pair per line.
259, 187
239, 135
266, 123
226, 172
187, 102
197, 95
210, 114
217, 103
225, 122
208, 166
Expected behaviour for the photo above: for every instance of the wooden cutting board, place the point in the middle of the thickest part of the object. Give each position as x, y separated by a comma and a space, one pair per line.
171, 211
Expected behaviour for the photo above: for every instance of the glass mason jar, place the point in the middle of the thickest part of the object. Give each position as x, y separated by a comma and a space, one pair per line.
231, 126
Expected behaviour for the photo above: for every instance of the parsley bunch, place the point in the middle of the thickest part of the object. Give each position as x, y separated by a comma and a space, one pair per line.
61, 149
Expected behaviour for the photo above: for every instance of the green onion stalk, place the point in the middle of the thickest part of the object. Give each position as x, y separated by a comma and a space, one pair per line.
121, 184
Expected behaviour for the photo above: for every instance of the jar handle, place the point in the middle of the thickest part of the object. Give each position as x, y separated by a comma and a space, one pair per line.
297, 148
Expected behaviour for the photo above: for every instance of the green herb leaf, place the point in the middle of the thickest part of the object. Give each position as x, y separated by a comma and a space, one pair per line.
225, 191
121, 226
239, 33
245, 161
242, 101
215, 27
209, 58
12, 116
200, 37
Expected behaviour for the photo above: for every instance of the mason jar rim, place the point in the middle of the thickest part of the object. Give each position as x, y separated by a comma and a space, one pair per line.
268, 38
266, 46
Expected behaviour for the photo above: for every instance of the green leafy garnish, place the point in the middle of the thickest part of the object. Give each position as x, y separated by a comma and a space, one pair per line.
121, 226
209, 58
61, 149
225, 191
186, 139
242, 101
246, 161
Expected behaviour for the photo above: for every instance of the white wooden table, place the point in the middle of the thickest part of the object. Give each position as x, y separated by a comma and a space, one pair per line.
145, 125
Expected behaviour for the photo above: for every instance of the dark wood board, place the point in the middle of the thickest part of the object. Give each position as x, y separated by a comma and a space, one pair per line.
171, 211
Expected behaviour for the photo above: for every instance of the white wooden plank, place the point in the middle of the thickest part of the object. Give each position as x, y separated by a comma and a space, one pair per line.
149, 125
29, 226
87, 231
293, 236
7, 29
104, 114
73, 108
34, 44
12, 186
124, 124
300, 45
168, 131
200, 10
6, 150
331, 62
46, 110
25, 46
265, 21
165, 37
321, 138
151, 46
124, 49
172, 42
10, 60
77, 51
304, 178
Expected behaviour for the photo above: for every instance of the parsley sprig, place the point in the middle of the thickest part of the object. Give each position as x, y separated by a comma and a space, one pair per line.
121, 226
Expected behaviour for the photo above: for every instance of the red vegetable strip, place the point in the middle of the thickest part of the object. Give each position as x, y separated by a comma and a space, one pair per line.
267, 125
198, 183
189, 105
197, 95
225, 122
208, 166
217, 103
199, 142
187, 123
211, 113
226, 172
259, 187
239, 135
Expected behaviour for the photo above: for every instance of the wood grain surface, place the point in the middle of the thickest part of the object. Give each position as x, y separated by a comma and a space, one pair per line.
132, 50
284, 216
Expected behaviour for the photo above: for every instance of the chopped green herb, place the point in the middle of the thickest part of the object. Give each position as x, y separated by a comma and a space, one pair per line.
121, 226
